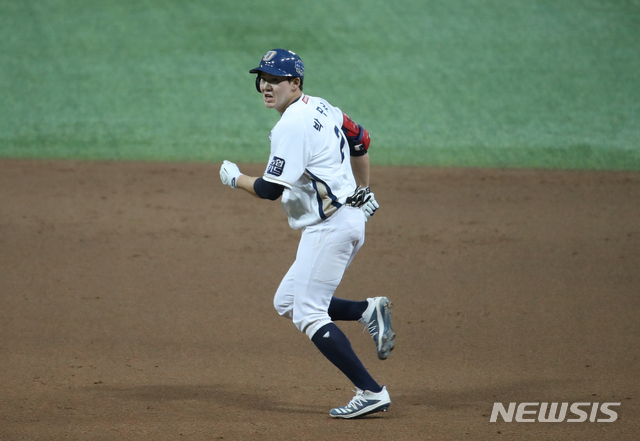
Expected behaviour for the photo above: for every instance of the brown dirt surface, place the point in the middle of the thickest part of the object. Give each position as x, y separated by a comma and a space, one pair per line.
136, 304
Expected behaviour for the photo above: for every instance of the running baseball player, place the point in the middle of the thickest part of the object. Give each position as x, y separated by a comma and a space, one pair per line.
319, 167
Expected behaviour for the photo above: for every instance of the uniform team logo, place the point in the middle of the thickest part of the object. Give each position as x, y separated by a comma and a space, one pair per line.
269, 55
276, 166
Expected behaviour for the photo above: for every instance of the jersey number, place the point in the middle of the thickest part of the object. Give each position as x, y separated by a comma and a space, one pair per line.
343, 141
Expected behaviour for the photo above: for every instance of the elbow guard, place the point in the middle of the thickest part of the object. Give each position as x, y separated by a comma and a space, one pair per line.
357, 137
267, 190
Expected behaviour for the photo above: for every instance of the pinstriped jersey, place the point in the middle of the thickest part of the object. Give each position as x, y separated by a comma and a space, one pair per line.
310, 158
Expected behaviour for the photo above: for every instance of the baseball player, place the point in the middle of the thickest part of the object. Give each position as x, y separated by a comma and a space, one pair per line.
319, 167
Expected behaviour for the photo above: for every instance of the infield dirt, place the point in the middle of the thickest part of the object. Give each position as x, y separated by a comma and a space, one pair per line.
136, 304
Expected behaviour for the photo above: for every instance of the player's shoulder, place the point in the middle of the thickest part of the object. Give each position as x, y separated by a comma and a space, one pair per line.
313, 102
307, 104
313, 107
291, 121
297, 112
307, 111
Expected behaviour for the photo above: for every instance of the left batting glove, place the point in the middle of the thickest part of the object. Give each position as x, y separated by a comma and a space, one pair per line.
229, 174
365, 200
359, 197
370, 206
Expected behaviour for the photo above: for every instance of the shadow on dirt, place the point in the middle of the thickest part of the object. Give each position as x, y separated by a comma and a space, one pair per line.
523, 391
227, 395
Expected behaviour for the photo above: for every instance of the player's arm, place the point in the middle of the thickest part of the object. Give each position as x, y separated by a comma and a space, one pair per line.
360, 168
357, 136
359, 140
246, 183
230, 175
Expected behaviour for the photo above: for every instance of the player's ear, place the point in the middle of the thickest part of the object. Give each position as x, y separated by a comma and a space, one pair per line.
295, 83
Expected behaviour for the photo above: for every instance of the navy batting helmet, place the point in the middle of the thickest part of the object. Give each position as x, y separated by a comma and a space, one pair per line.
281, 63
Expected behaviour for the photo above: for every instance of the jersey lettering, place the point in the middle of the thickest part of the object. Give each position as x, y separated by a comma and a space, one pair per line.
340, 135
317, 125
322, 108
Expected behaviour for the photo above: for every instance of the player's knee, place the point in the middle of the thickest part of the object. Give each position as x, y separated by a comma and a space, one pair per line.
282, 307
310, 324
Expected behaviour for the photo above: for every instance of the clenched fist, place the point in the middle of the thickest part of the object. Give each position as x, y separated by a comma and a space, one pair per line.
229, 173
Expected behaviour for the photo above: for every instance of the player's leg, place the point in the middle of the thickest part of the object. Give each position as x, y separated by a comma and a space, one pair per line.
283, 300
336, 348
328, 338
346, 310
374, 313
324, 253
331, 247
338, 309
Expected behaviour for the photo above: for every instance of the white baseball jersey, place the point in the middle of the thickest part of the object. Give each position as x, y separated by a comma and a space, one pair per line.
310, 158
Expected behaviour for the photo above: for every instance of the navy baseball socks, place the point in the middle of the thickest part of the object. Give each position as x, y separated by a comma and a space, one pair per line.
370, 397
335, 346
374, 313
346, 310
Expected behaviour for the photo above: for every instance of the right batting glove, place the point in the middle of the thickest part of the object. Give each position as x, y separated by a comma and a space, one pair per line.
229, 173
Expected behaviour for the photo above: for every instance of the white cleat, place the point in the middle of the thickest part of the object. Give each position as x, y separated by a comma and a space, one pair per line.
364, 403
377, 319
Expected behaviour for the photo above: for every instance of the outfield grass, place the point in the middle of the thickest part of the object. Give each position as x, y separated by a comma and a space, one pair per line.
501, 83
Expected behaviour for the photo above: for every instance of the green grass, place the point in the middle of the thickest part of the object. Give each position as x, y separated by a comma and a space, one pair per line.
494, 83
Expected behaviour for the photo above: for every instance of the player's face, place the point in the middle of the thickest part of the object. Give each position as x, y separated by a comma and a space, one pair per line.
277, 92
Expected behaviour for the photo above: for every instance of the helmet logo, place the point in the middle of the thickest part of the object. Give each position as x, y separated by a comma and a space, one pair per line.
299, 67
269, 55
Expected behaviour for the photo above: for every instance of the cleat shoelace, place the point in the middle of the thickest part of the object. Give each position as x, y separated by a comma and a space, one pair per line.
356, 401
372, 327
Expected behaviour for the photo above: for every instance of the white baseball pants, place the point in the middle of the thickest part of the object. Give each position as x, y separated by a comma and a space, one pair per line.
324, 253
